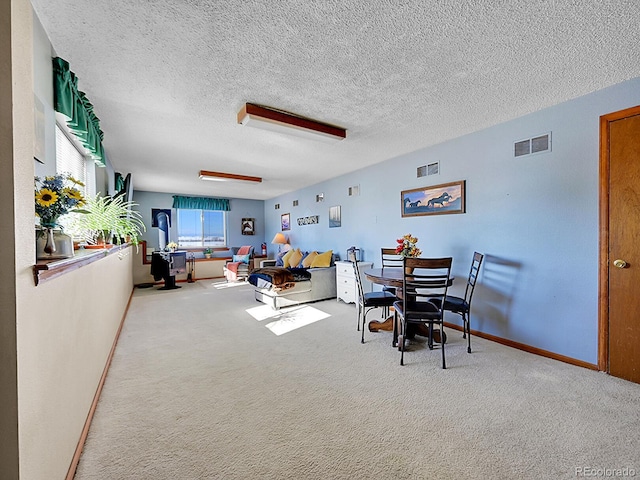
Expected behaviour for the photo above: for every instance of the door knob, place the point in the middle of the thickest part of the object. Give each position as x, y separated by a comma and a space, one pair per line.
619, 263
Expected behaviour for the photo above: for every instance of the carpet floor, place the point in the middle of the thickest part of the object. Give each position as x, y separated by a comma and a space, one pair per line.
206, 383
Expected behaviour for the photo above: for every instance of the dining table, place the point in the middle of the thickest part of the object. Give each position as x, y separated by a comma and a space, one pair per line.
393, 277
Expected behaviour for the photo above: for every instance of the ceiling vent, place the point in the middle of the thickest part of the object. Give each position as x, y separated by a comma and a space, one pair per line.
354, 191
530, 146
429, 169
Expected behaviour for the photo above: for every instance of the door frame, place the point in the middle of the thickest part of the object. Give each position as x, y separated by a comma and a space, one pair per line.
603, 268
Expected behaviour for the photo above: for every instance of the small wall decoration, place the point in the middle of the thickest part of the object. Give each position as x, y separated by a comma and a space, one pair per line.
434, 200
285, 222
248, 226
154, 215
310, 220
334, 217
39, 130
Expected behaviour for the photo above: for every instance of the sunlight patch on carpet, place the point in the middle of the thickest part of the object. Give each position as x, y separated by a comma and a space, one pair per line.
225, 284
286, 320
263, 312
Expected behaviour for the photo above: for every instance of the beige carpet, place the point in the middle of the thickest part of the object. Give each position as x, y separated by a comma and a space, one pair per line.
203, 386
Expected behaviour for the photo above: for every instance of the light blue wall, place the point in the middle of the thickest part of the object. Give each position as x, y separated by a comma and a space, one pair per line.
240, 208
535, 218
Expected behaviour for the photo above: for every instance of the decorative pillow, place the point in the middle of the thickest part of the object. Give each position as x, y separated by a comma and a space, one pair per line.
287, 256
322, 259
304, 255
279, 259
308, 260
241, 258
294, 259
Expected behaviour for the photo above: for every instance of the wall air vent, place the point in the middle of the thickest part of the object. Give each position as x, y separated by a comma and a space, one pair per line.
429, 169
523, 147
295, 203
277, 206
530, 146
320, 197
541, 143
354, 191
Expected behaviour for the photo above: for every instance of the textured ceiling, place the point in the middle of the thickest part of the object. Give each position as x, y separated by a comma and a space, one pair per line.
167, 77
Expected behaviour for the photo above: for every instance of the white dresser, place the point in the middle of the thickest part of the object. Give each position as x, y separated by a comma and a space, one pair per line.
347, 290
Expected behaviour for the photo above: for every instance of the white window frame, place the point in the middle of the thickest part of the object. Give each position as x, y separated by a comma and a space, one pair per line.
202, 243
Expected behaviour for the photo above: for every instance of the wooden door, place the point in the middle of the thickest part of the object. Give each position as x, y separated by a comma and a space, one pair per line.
620, 151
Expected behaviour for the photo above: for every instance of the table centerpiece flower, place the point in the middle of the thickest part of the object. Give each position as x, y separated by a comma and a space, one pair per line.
407, 246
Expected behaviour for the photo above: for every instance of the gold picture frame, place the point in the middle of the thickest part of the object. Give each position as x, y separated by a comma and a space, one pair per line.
443, 199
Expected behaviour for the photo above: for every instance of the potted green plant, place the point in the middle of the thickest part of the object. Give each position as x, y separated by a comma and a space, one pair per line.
109, 219
207, 252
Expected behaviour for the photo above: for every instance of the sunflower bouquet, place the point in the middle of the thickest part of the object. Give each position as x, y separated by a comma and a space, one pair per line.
56, 195
407, 246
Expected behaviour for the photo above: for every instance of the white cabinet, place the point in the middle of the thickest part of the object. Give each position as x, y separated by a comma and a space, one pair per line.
347, 290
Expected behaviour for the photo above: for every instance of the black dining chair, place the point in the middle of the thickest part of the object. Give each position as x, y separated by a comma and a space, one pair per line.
424, 288
390, 259
370, 300
462, 305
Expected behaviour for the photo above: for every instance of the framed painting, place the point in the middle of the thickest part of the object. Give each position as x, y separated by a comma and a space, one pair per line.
154, 215
433, 200
40, 130
335, 219
248, 226
285, 222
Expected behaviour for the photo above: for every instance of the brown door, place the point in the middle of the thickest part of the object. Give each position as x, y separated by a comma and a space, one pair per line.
621, 264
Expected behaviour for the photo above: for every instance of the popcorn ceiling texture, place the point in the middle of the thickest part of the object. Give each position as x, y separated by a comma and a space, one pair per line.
167, 78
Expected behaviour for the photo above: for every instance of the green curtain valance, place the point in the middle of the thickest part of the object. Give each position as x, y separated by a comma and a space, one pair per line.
74, 105
201, 203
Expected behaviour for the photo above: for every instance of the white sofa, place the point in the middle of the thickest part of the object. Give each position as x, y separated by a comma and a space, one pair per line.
321, 286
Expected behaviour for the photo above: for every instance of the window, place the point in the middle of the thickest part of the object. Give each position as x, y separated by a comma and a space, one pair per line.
71, 159
201, 228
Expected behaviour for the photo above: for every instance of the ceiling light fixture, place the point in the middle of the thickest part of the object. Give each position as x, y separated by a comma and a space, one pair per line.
284, 122
226, 177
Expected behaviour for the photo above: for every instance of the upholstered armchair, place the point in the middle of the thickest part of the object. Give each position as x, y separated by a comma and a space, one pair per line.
240, 266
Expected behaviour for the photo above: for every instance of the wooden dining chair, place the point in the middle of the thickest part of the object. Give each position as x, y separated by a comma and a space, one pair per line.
462, 305
370, 300
424, 289
390, 258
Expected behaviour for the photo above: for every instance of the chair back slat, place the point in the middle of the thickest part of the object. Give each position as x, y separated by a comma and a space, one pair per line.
356, 272
473, 276
390, 258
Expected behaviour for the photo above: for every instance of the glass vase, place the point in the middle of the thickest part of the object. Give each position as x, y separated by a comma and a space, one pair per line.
53, 244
